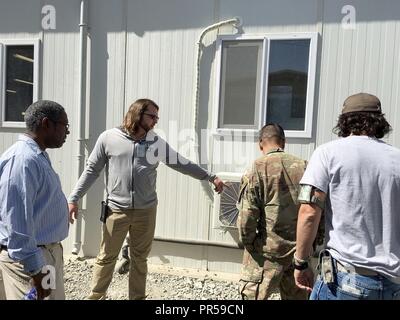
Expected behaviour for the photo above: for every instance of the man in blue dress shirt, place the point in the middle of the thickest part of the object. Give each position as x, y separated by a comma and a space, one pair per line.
33, 208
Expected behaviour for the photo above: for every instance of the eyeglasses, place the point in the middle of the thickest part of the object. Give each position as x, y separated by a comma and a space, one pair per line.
152, 116
66, 125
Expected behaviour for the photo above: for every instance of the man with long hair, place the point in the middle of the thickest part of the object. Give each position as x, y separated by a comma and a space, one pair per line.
130, 155
356, 180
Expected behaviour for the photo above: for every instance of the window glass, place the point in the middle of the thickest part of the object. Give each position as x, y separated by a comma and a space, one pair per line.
240, 84
287, 83
19, 81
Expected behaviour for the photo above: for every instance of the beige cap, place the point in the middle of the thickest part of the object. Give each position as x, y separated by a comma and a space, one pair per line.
362, 102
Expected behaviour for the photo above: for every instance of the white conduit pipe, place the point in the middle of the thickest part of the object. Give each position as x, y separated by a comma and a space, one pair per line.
81, 114
236, 22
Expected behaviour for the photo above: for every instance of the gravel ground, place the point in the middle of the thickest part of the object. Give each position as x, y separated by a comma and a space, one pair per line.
162, 283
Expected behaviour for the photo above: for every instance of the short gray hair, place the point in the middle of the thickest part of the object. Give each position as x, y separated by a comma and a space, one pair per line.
42, 109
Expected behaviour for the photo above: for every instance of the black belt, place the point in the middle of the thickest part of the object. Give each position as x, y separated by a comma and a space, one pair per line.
5, 248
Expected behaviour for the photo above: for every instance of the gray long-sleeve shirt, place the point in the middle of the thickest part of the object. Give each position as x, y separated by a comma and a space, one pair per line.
130, 169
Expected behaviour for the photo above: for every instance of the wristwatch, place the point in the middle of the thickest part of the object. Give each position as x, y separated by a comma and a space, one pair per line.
299, 264
212, 178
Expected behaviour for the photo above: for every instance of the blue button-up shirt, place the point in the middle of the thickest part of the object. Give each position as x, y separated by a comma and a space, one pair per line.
33, 208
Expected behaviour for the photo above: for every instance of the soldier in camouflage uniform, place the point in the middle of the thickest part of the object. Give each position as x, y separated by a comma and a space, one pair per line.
267, 219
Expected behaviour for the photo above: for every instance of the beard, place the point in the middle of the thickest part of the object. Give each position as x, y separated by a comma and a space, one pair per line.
145, 126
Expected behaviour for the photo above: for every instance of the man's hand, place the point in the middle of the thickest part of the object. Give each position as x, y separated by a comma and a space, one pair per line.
219, 185
304, 279
73, 212
37, 283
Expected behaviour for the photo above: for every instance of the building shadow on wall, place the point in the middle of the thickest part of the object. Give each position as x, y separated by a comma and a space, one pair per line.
196, 255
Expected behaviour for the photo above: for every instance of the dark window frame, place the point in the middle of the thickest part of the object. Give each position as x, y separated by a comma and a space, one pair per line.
4, 44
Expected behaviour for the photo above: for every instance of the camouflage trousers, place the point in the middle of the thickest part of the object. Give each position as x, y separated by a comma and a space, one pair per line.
272, 278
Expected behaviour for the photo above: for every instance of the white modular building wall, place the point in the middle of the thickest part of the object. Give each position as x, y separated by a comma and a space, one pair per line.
148, 49
58, 66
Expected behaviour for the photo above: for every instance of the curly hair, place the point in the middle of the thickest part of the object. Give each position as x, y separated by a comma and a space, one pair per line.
135, 113
362, 123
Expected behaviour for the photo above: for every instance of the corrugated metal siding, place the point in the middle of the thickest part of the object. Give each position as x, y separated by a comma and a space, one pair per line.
106, 99
148, 49
58, 69
262, 17
364, 59
160, 64
58, 65
17, 22
60, 59
350, 61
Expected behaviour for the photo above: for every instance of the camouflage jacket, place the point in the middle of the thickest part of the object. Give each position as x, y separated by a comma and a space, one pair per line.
268, 208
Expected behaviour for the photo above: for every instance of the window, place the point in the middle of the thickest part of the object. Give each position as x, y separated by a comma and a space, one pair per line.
266, 79
19, 67
240, 85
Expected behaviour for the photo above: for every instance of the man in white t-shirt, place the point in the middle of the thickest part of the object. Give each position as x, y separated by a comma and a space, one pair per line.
356, 180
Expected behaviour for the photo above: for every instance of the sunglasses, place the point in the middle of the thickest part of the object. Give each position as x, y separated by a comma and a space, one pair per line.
152, 116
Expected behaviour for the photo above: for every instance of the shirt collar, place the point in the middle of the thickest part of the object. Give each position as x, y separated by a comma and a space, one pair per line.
31, 143
274, 150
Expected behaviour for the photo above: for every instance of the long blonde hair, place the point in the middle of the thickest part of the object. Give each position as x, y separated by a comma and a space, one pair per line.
135, 113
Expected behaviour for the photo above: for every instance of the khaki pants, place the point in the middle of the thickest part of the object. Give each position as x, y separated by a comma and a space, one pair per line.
2, 292
140, 223
17, 281
276, 277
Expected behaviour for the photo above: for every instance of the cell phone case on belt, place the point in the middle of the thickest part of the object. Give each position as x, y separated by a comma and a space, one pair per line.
104, 211
326, 267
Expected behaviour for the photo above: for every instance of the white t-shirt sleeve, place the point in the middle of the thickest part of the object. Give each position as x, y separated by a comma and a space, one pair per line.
317, 173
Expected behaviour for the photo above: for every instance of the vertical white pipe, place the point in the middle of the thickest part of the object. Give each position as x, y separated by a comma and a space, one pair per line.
236, 22
81, 113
